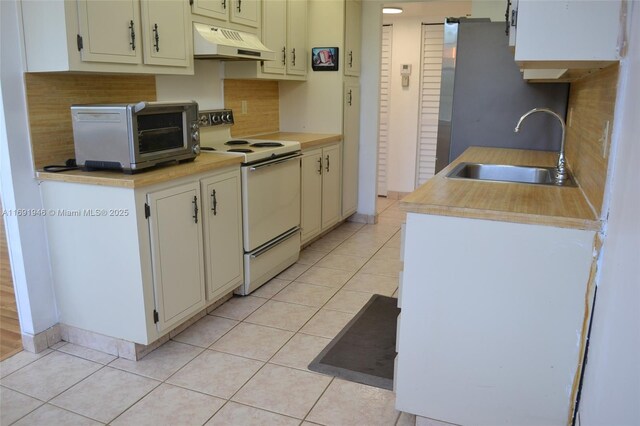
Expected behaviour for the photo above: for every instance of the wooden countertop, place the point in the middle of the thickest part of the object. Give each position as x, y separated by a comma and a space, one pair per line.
307, 140
205, 162
565, 207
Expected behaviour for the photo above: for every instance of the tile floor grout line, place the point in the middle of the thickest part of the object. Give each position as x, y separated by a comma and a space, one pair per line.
29, 363
333, 378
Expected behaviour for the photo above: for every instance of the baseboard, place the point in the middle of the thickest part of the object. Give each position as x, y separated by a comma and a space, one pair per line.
36, 343
110, 345
370, 219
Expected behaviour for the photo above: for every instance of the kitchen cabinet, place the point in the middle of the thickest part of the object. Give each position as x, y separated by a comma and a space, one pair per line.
284, 30
350, 148
494, 317
134, 263
573, 36
243, 12
352, 37
320, 191
223, 233
108, 36
166, 27
175, 228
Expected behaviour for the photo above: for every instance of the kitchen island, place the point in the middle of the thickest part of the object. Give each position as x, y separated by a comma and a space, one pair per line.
496, 296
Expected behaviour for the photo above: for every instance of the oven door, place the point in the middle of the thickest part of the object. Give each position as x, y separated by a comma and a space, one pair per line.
271, 199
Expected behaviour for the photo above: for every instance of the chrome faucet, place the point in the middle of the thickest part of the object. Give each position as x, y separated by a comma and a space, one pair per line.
561, 167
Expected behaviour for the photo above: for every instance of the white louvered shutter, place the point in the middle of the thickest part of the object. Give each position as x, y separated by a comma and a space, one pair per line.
385, 87
432, 41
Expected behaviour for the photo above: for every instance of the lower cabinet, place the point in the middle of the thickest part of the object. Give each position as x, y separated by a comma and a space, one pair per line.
321, 190
134, 263
222, 221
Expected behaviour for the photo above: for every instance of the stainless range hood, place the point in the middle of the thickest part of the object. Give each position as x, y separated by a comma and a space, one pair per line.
223, 43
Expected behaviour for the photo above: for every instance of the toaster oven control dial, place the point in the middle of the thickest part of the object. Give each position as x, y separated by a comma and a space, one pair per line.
195, 135
196, 149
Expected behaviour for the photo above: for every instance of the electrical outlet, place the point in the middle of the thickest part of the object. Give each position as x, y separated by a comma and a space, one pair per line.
605, 139
243, 107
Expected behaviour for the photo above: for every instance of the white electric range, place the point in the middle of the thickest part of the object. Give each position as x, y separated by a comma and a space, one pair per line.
270, 197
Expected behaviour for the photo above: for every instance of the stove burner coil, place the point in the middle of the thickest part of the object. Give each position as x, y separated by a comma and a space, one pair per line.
207, 148
266, 144
236, 142
243, 150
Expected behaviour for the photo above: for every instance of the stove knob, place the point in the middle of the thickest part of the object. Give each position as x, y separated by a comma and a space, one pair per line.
196, 149
228, 118
195, 136
215, 119
204, 119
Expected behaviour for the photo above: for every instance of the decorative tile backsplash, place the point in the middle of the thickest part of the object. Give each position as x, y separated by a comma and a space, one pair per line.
591, 105
262, 106
49, 97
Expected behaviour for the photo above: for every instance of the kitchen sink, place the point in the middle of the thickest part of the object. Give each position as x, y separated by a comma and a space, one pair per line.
506, 173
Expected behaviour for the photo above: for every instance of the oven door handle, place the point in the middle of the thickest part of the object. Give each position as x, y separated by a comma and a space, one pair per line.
275, 242
274, 162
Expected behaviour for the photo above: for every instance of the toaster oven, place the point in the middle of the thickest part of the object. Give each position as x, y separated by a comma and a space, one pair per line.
134, 137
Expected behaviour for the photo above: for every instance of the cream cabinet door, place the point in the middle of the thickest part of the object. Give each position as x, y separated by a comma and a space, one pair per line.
311, 192
274, 29
218, 9
222, 220
297, 56
167, 32
352, 37
109, 31
350, 149
175, 228
245, 12
331, 189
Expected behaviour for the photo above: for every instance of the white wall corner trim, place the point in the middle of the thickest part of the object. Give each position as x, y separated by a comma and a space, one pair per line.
25, 234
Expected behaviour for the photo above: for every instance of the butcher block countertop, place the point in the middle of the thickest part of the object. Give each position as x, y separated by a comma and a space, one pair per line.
205, 162
565, 207
307, 140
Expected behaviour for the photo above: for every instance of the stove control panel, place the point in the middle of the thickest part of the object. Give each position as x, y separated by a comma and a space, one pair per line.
215, 117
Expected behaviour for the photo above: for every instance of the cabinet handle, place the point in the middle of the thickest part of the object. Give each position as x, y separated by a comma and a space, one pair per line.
350, 97
327, 163
320, 165
224, 4
351, 59
293, 54
514, 18
214, 202
195, 208
156, 37
284, 55
132, 34
239, 6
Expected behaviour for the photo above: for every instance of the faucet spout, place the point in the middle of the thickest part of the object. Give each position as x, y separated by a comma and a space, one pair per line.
561, 166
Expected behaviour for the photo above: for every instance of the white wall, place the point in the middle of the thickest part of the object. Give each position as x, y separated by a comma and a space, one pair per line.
26, 235
611, 390
205, 86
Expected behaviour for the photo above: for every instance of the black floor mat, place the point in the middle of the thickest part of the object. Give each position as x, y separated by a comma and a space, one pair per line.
365, 349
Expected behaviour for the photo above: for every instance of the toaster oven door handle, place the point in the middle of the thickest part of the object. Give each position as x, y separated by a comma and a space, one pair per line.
275, 242
160, 131
274, 162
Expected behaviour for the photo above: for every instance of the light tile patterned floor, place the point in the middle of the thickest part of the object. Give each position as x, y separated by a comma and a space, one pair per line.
244, 364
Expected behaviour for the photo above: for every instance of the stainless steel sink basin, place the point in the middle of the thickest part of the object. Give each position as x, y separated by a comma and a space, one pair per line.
505, 173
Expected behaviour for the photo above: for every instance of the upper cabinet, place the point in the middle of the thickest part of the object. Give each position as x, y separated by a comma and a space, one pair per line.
284, 30
243, 12
166, 27
352, 37
566, 38
123, 36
